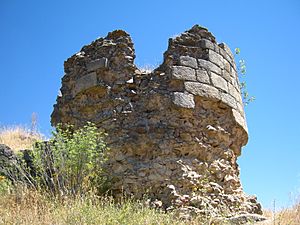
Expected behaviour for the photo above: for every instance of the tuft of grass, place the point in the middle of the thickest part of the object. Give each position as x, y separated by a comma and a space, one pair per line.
19, 137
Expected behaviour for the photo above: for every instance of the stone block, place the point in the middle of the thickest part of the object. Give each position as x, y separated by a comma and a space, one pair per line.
203, 90
85, 82
227, 66
226, 49
216, 58
219, 81
202, 76
228, 100
188, 61
233, 73
235, 83
204, 43
240, 119
183, 73
209, 66
184, 100
233, 66
232, 90
240, 107
226, 75
226, 56
97, 64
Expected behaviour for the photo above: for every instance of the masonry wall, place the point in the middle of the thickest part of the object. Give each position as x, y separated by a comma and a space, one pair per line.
175, 133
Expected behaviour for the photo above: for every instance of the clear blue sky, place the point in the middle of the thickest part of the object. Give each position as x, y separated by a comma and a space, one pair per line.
37, 36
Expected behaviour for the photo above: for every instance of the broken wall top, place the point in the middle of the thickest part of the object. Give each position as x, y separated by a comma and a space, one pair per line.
194, 65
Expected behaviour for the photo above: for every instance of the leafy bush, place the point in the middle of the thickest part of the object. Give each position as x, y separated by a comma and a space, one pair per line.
71, 162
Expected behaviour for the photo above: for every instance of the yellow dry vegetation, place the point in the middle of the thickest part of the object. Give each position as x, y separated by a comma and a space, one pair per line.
19, 137
285, 216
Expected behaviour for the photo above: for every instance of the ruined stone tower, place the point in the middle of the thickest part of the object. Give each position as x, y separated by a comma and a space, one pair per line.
174, 133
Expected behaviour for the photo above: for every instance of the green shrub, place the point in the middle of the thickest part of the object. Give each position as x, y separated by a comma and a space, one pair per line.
71, 162
5, 185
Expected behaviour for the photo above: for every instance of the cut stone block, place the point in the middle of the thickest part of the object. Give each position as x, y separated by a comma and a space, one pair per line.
203, 90
229, 100
226, 75
183, 73
209, 66
219, 81
184, 100
240, 119
202, 76
188, 61
97, 64
226, 49
215, 58
85, 82
204, 43
232, 90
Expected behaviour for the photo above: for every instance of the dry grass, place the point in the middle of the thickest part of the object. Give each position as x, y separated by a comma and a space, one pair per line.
19, 137
23, 206
290, 216
31, 207
287, 216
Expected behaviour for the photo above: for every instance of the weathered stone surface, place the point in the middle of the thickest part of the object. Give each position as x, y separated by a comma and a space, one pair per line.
226, 75
97, 64
240, 108
207, 44
215, 58
184, 73
229, 100
239, 119
209, 66
6, 158
12, 165
232, 90
227, 50
174, 133
245, 219
202, 90
184, 100
8, 163
202, 76
85, 82
219, 82
188, 61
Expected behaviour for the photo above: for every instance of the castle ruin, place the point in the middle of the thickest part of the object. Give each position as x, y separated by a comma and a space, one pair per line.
175, 133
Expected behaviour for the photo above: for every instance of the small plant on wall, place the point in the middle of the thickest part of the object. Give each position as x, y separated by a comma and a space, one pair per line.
242, 73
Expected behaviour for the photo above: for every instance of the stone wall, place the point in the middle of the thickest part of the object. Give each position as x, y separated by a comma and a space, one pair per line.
175, 133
